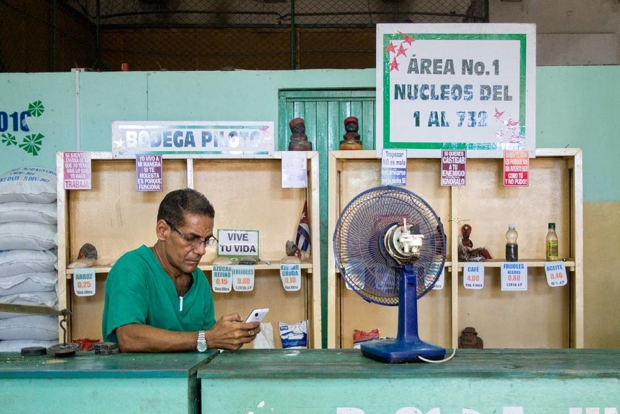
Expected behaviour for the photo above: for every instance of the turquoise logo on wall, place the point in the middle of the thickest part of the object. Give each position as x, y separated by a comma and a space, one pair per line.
16, 123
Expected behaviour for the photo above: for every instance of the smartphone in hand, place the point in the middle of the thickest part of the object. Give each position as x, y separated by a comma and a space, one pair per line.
257, 315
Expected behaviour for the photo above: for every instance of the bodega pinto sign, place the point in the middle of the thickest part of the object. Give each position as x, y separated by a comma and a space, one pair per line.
200, 139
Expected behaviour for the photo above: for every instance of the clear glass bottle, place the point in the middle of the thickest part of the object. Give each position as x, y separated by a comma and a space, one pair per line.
552, 243
512, 249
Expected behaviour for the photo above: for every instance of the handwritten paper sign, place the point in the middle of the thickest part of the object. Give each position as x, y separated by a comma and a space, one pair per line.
516, 169
149, 172
453, 167
77, 170
394, 167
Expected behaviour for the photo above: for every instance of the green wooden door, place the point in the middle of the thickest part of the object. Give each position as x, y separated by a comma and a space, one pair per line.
324, 112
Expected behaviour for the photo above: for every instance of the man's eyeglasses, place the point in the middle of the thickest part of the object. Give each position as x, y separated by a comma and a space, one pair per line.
194, 241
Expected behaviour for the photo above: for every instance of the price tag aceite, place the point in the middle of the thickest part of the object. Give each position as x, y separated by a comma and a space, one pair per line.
514, 276
473, 275
291, 277
84, 283
243, 278
556, 274
221, 279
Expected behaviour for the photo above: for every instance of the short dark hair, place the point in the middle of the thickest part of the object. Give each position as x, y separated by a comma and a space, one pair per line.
177, 203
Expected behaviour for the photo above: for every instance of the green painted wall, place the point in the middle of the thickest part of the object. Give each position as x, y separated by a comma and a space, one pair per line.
575, 108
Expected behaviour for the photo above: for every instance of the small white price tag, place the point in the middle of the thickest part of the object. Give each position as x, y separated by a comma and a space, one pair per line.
243, 278
441, 280
291, 277
221, 281
84, 283
556, 274
473, 275
514, 276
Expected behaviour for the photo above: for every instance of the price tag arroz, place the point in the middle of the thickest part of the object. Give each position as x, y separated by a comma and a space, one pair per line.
221, 281
84, 282
440, 282
556, 274
291, 277
243, 278
514, 276
473, 275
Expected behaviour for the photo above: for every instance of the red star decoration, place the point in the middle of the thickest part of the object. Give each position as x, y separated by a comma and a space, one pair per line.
390, 48
401, 51
393, 65
407, 39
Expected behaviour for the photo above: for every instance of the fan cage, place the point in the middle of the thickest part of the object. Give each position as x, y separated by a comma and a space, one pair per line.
360, 256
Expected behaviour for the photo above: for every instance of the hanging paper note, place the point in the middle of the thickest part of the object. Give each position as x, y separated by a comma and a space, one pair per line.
453, 167
394, 167
149, 172
556, 274
243, 278
291, 277
516, 168
221, 279
294, 169
84, 283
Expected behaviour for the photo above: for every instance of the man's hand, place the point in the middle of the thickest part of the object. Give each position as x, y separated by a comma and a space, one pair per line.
231, 332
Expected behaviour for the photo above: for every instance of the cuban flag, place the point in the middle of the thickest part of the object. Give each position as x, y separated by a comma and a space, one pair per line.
302, 239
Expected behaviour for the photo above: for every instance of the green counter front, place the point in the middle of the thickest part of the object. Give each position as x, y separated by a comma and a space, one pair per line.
89, 383
494, 381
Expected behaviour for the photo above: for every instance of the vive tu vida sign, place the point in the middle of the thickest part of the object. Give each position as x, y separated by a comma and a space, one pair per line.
237, 243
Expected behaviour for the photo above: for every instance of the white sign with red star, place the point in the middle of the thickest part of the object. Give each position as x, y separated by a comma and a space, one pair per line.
456, 87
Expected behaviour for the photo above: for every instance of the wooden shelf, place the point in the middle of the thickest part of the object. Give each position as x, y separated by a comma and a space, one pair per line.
263, 265
247, 194
542, 316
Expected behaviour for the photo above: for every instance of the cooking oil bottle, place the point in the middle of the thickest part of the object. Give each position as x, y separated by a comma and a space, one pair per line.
552, 243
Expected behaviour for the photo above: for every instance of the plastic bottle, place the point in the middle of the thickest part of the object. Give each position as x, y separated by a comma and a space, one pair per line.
512, 249
552, 243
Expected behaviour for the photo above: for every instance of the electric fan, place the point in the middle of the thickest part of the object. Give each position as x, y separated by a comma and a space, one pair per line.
389, 246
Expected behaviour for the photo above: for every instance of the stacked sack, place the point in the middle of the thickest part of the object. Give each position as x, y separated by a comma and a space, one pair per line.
28, 258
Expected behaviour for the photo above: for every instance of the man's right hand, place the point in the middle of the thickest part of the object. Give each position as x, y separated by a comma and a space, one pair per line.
231, 332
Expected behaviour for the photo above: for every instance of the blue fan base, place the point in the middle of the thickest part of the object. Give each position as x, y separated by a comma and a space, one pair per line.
394, 351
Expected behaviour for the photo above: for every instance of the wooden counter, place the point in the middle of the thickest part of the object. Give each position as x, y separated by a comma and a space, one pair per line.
507, 381
89, 383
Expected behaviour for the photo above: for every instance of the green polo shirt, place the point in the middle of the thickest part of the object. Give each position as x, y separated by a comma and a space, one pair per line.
138, 290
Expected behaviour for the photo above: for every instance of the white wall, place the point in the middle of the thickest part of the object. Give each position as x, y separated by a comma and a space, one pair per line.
570, 32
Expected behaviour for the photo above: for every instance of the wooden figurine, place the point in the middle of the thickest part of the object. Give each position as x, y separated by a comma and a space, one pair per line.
352, 140
299, 139
466, 250
469, 339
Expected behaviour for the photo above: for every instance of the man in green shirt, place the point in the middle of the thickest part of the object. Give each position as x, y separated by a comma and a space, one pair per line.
156, 298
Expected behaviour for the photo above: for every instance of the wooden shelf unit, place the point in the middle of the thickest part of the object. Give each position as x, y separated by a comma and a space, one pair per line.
541, 317
247, 194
